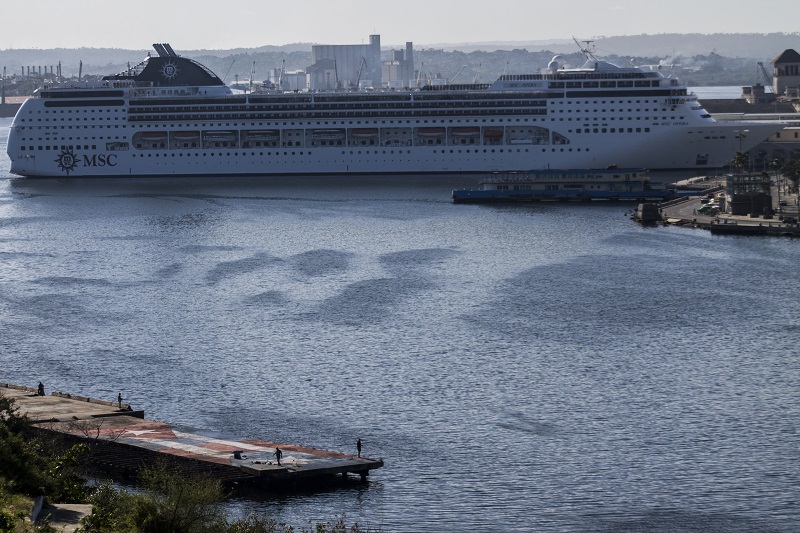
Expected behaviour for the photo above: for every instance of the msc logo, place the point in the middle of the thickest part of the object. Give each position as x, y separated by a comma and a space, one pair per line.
169, 71
69, 160
100, 160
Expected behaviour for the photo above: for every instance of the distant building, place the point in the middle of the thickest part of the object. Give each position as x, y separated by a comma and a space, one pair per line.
346, 66
399, 71
323, 75
787, 74
294, 80
757, 94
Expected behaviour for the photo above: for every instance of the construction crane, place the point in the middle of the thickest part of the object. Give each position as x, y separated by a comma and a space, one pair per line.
282, 74
457, 73
252, 75
767, 77
361, 68
477, 73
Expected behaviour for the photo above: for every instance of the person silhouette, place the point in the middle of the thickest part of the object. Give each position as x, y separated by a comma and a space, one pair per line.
40, 390
358, 447
278, 454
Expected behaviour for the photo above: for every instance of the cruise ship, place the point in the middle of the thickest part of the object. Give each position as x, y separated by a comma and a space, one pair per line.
171, 116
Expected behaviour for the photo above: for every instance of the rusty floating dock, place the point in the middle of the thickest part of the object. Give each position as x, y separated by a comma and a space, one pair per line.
123, 441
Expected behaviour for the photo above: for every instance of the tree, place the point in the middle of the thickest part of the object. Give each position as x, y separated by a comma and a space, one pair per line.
791, 170
20, 459
739, 161
28, 465
178, 503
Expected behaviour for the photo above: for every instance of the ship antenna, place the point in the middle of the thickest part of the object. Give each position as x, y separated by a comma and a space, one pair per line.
585, 50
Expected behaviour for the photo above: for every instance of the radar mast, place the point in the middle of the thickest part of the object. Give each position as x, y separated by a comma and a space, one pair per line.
587, 50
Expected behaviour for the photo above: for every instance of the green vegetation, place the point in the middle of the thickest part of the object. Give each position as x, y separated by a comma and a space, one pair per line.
178, 502
32, 466
791, 170
739, 161
170, 501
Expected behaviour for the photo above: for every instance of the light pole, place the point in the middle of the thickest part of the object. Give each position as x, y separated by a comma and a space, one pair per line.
741, 135
776, 164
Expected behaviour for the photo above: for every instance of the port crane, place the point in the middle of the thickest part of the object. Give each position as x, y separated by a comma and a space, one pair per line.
477, 73
361, 68
457, 73
767, 78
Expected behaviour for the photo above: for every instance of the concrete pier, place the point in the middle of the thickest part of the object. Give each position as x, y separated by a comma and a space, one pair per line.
686, 212
123, 441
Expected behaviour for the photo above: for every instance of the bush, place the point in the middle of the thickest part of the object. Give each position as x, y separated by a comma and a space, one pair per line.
176, 502
28, 464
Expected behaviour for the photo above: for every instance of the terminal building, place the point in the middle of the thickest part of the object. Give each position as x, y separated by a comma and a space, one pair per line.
787, 74
785, 87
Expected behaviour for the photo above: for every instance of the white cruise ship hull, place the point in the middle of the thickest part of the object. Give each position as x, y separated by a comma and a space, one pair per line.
675, 149
173, 117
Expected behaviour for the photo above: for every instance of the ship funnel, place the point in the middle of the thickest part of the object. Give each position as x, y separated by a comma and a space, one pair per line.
164, 50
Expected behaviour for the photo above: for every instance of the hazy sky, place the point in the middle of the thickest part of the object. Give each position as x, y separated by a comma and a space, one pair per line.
198, 24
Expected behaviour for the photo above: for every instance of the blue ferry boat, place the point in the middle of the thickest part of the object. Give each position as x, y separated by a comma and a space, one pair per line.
565, 185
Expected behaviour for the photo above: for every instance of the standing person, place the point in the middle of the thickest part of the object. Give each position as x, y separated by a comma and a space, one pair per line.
278, 454
358, 447
119, 400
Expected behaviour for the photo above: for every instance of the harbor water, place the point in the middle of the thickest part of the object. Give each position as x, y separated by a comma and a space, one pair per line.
543, 368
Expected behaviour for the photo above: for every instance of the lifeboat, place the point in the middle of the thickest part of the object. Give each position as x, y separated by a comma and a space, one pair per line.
186, 135
465, 132
327, 135
220, 135
431, 132
364, 133
262, 135
154, 136
493, 133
